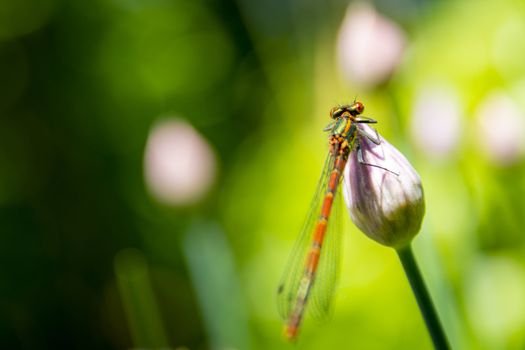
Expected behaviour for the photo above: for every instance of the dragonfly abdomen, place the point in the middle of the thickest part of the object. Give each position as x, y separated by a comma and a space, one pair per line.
314, 252
322, 223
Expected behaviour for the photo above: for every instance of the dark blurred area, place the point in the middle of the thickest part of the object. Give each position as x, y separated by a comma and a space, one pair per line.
74, 117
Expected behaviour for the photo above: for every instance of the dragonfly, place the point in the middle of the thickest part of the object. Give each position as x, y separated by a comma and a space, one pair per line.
311, 271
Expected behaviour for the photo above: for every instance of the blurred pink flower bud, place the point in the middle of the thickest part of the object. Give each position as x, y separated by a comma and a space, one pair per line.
179, 165
385, 197
369, 46
501, 129
436, 120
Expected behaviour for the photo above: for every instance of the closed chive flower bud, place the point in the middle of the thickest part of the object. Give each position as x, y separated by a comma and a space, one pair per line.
383, 191
384, 195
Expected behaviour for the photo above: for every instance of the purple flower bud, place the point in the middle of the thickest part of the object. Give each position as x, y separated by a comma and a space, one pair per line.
383, 191
369, 46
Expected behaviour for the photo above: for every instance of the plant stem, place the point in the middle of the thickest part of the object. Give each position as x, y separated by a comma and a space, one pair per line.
423, 297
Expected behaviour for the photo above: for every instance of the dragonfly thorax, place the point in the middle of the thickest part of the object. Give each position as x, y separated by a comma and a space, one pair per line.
345, 119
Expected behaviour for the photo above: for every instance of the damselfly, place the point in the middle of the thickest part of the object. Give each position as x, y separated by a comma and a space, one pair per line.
311, 272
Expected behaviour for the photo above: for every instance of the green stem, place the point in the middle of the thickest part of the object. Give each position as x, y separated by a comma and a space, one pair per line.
423, 298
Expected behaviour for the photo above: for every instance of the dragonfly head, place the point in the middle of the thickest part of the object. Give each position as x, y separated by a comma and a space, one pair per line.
354, 109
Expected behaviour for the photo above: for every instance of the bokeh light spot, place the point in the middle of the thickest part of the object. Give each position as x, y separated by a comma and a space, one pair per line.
436, 120
500, 129
179, 164
369, 46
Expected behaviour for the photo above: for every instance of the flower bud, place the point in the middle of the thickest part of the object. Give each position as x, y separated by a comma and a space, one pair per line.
383, 192
369, 46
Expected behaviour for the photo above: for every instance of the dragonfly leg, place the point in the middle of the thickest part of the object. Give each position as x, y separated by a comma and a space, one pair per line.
361, 160
365, 120
374, 138
329, 127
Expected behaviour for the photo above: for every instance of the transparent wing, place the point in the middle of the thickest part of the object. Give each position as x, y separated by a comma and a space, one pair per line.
294, 270
324, 288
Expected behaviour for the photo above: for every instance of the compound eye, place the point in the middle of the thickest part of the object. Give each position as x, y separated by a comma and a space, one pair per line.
335, 112
359, 107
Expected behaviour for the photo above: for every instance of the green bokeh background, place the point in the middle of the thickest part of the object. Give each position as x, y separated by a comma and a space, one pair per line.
89, 259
